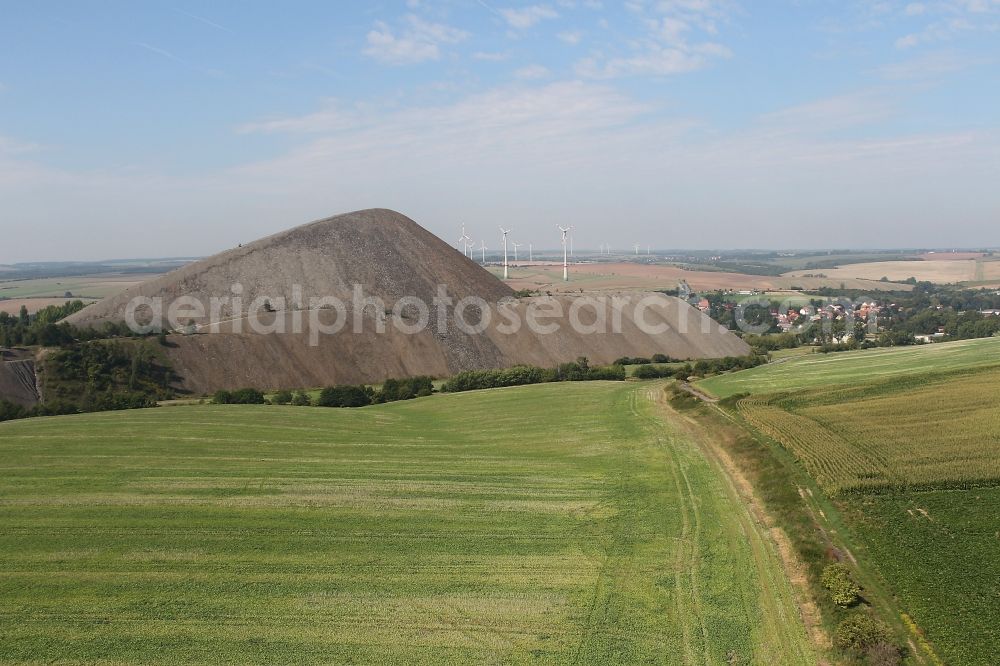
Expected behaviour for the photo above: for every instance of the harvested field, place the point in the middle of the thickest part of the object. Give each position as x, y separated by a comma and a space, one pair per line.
625, 275
13, 306
941, 271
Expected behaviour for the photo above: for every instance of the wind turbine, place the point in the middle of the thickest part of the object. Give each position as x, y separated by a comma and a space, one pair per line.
531, 253
516, 245
465, 240
483, 248
637, 249
647, 251
503, 231
565, 230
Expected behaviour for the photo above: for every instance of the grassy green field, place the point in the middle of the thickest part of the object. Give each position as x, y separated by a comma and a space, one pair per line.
907, 443
557, 523
939, 550
849, 368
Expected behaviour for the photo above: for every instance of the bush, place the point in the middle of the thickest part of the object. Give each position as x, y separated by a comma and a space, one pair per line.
860, 633
282, 397
345, 396
661, 358
405, 389
635, 360
577, 371
472, 380
884, 653
10, 411
301, 399
652, 372
843, 590
244, 396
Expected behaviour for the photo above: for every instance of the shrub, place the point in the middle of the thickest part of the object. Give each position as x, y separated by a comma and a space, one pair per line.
652, 372
884, 653
843, 590
861, 632
301, 399
345, 396
282, 397
10, 411
471, 380
634, 360
244, 396
405, 389
661, 358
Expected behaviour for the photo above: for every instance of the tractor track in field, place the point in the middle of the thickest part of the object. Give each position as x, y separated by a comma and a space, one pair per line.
771, 555
686, 560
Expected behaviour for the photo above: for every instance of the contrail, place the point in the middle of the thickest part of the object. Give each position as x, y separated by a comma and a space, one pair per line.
203, 20
180, 61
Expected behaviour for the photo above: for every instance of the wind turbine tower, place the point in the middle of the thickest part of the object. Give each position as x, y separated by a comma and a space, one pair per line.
506, 274
637, 249
516, 245
565, 230
484, 253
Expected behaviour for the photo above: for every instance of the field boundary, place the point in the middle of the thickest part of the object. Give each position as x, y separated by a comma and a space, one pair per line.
827, 521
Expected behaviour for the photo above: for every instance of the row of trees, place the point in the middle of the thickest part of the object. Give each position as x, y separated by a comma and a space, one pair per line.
580, 370
342, 395
45, 328
642, 360
700, 368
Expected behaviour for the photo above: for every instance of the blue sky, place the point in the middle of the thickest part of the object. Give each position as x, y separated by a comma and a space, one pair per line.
181, 128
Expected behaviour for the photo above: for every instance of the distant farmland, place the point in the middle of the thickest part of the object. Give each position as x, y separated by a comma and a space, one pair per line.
599, 276
941, 271
36, 294
907, 442
558, 523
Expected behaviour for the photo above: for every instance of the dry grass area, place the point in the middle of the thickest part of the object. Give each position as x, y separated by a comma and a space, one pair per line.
13, 305
934, 269
627, 275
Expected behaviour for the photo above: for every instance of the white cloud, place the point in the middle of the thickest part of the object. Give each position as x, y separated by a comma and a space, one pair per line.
929, 66
570, 36
653, 60
331, 118
525, 17
532, 72
679, 37
491, 56
947, 19
539, 153
417, 42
